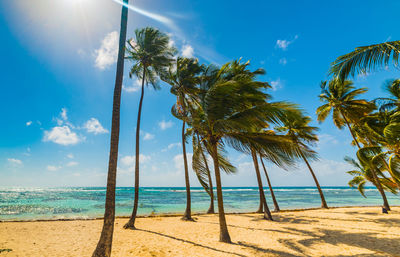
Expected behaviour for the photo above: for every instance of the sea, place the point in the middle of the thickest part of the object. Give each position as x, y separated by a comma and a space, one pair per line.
19, 203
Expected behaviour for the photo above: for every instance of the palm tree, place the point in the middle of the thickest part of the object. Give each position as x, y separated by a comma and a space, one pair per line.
340, 100
264, 206
105, 243
339, 97
202, 170
151, 55
364, 59
381, 131
298, 129
363, 174
392, 102
271, 190
183, 78
231, 104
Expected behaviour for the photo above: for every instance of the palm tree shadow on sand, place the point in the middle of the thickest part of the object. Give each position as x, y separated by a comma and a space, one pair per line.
380, 246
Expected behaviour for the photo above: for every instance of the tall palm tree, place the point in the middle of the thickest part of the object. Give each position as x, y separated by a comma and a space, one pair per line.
183, 76
366, 58
231, 104
151, 55
105, 243
298, 129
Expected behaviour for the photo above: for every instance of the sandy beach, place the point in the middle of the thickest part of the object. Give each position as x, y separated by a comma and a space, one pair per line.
352, 231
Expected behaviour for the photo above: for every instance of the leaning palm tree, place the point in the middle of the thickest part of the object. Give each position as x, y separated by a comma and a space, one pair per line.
297, 127
183, 76
201, 168
105, 243
363, 173
151, 55
366, 58
382, 132
271, 190
339, 98
231, 104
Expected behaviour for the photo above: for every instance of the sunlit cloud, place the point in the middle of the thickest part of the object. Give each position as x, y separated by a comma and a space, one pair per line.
187, 51
94, 126
62, 136
107, 54
284, 44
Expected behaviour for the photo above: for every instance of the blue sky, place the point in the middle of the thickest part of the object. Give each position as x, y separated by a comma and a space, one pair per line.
58, 68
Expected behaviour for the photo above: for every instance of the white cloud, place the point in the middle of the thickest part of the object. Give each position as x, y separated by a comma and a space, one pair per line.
283, 61
136, 86
28, 123
170, 146
187, 51
93, 126
63, 114
107, 54
53, 168
64, 118
147, 136
165, 124
61, 135
276, 84
71, 156
284, 44
129, 160
15, 162
179, 165
71, 164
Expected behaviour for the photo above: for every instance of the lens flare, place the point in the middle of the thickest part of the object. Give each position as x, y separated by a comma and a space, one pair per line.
162, 19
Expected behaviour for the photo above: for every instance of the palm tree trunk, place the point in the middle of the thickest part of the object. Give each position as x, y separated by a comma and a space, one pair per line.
321, 194
104, 245
188, 212
267, 213
260, 205
380, 189
373, 171
223, 228
351, 131
276, 206
210, 184
131, 222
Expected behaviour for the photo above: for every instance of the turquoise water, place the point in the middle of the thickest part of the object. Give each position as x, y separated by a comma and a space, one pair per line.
88, 202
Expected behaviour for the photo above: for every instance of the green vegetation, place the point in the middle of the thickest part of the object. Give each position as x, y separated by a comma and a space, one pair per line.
229, 106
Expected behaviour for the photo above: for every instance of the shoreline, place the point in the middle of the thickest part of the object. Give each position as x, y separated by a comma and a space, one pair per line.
338, 231
166, 215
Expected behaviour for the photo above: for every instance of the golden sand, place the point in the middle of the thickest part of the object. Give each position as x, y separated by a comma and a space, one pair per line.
356, 231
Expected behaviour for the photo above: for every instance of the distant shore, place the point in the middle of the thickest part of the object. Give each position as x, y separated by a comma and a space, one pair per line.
338, 231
